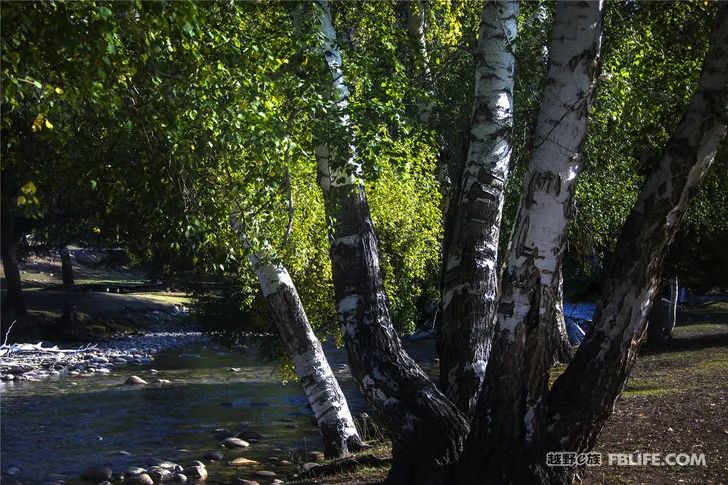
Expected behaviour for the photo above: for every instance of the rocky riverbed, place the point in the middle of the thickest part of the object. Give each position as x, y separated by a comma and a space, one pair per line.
33, 362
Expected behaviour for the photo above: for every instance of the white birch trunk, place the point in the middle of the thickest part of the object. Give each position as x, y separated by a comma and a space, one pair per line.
303, 347
470, 259
511, 411
672, 320
583, 397
426, 429
415, 24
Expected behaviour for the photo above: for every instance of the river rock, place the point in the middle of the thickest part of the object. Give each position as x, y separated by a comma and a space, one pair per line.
197, 463
242, 461
142, 479
179, 478
308, 466
277, 481
160, 475
12, 470
196, 473
96, 473
100, 360
103, 370
135, 381
134, 471
8, 377
213, 455
316, 456
235, 443
265, 474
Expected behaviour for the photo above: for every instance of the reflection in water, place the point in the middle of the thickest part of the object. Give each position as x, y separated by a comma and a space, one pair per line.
65, 424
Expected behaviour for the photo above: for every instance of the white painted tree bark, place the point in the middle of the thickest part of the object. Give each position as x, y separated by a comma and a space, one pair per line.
426, 429
511, 411
303, 347
470, 251
583, 397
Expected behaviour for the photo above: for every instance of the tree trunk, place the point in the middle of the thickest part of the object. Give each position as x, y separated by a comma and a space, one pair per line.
672, 311
66, 266
470, 255
583, 397
15, 300
415, 24
507, 431
426, 429
303, 347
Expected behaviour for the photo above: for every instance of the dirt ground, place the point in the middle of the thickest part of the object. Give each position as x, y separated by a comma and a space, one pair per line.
675, 402
107, 300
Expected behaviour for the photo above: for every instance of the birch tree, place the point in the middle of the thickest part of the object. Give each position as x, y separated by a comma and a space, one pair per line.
322, 390
470, 254
426, 429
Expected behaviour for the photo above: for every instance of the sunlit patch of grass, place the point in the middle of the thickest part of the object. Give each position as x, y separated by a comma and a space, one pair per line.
164, 298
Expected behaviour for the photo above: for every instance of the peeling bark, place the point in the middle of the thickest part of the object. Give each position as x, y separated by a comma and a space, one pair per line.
303, 347
426, 429
583, 397
507, 432
470, 257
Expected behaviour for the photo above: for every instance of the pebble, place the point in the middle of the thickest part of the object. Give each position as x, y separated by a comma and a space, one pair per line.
135, 381
96, 473
179, 478
142, 479
104, 370
196, 472
235, 443
161, 475
265, 473
242, 461
213, 455
135, 470
316, 456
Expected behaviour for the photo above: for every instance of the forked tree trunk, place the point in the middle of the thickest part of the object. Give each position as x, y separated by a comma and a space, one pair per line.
507, 431
470, 254
15, 301
303, 347
583, 397
426, 429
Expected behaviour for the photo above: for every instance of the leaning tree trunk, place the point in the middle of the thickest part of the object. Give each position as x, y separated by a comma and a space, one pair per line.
15, 300
470, 255
427, 430
584, 396
303, 347
507, 432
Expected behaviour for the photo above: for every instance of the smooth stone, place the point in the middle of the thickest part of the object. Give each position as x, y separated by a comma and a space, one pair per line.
153, 371
8, 377
143, 479
235, 369
13, 470
235, 443
197, 463
103, 370
286, 462
100, 360
277, 481
222, 433
265, 474
213, 455
179, 478
96, 473
161, 475
316, 456
135, 381
308, 466
242, 481
196, 473
242, 461
168, 465
135, 470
